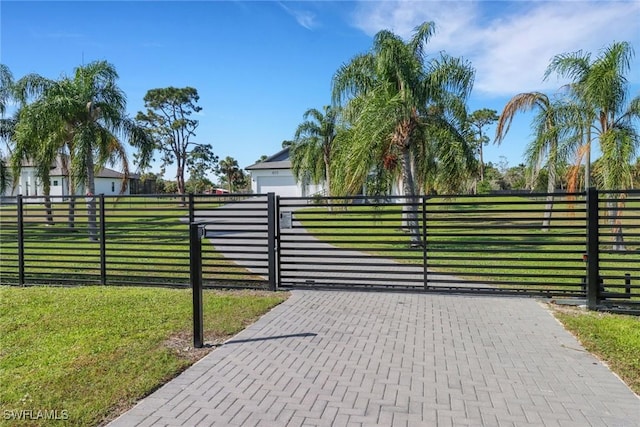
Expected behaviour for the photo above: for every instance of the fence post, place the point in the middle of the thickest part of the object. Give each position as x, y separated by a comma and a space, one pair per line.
627, 285
195, 263
277, 244
271, 241
424, 242
192, 208
20, 207
103, 243
593, 250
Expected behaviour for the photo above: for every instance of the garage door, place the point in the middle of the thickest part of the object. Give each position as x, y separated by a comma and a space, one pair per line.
281, 185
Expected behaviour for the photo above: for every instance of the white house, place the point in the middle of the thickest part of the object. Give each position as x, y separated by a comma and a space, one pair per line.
274, 175
107, 182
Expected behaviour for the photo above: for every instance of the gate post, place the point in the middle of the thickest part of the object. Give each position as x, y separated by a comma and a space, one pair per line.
424, 242
20, 213
278, 244
192, 208
272, 225
103, 243
195, 264
593, 250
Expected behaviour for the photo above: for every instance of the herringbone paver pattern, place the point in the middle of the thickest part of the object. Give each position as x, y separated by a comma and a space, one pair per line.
386, 359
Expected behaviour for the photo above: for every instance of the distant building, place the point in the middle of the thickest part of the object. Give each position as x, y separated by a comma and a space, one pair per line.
274, 175
107, 182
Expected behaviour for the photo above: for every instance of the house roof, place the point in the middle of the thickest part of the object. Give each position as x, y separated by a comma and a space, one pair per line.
58, 170
280, 160
103, 173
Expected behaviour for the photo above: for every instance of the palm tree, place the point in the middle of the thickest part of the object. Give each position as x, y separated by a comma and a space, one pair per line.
600, 89
312, 151
82, 117
545, 144
406, 114
20, 92
6, 88
6, 127
229, 168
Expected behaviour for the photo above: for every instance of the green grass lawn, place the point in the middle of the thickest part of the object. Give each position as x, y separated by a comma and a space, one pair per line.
613, 338
94, 351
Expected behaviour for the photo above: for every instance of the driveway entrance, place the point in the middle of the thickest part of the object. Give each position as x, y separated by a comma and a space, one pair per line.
395, 359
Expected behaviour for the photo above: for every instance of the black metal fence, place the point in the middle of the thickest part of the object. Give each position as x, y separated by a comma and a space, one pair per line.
583, 245
135, 240
618, 249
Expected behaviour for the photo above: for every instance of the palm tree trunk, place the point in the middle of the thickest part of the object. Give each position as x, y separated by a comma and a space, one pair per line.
551, 188
46, 189
616, 225
327, 178
71, 193
618, 243
409, 212
90, 187
587, 165
72, 204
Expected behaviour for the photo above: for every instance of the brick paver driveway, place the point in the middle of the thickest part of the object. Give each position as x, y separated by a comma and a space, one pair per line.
329, 358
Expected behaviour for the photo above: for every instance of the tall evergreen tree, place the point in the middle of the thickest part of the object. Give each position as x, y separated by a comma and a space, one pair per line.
169, 120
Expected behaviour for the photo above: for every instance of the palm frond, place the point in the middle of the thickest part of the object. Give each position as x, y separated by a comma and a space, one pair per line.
520, 103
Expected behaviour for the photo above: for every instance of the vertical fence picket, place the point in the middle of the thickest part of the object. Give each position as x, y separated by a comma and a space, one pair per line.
192, 208
195, 261
277, 244
424, 242
271, 240
593, 254
20, 212
103, 242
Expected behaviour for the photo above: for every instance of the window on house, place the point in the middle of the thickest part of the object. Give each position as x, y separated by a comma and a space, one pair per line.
55, 183
113, 186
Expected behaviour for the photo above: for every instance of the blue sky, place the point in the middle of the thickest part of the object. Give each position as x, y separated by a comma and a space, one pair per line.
259, 65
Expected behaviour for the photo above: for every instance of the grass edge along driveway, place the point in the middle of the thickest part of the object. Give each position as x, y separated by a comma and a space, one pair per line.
612, 338
89, 353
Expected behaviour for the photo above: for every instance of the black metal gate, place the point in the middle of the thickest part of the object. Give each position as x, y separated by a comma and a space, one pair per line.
467, 244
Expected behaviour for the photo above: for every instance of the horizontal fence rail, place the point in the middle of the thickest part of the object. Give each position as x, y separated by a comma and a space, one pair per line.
129, 240
497, 244
515, 244
619, 247
50, 244
347, 242
235, 237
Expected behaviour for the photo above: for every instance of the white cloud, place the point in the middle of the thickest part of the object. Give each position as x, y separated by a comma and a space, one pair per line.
304, 18
510, 43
